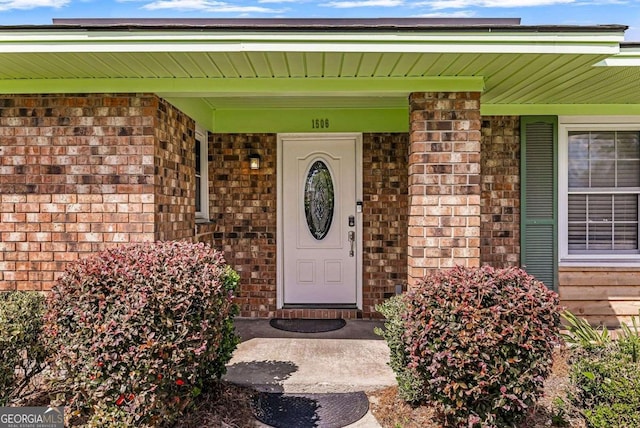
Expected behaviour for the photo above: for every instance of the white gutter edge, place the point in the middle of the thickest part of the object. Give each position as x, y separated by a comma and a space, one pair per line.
485, 42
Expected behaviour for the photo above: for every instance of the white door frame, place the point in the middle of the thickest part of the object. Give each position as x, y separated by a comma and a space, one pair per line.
280, 218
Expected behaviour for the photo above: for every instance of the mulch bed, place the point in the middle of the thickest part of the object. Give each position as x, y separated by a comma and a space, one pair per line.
229, 406
392, 412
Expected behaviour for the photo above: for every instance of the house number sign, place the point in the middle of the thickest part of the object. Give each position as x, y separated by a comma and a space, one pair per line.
320, 123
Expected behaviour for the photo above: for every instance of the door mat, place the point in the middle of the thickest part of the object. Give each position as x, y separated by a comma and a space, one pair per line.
310, 410
300, 325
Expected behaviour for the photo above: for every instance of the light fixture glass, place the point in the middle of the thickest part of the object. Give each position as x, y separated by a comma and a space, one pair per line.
254, 161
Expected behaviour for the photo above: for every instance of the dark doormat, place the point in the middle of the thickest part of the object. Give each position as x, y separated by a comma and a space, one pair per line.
310, 410
299, 325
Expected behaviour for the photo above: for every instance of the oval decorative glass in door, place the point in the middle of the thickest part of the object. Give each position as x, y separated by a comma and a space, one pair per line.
319, 199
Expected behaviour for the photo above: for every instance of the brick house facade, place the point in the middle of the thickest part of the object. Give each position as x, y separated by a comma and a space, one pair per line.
460, 133
81, 173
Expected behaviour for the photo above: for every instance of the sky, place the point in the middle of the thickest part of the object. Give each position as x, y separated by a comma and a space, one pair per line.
532, 12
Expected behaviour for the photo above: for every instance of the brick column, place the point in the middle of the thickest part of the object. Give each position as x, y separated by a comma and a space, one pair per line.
444, 182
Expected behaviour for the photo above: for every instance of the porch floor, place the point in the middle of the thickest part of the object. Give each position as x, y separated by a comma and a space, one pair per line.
346, 360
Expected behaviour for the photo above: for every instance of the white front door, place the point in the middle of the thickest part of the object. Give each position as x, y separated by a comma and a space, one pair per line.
319, 221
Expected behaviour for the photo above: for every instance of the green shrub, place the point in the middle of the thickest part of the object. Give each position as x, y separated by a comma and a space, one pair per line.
22, 354
139, 331
605, 375
409, 383
482, 341
606, 386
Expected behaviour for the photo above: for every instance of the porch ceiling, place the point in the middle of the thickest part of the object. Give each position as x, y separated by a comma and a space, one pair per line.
325, 69
513, 78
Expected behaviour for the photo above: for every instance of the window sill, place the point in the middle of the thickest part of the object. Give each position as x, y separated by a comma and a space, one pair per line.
632, 261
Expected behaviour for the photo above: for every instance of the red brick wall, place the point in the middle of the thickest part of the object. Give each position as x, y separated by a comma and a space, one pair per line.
444, 182
175, 174
77, 175
243, 207
385, 214
500, 205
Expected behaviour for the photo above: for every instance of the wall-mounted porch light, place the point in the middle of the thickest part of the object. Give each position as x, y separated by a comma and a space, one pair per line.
254, 161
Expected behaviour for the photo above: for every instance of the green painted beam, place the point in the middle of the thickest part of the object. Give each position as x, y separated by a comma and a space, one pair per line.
197, 109
559, 109
203, 87
312, 120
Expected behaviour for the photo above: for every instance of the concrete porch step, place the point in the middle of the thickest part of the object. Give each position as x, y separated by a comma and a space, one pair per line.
347, 360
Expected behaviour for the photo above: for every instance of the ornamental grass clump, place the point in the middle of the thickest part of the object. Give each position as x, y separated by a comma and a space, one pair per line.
481, 339
137, 332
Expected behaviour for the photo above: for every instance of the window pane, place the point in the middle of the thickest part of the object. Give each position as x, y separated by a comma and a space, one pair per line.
603, 173
603, 221
628, 173
578, 173
626, 208
198, 197
626, 237
198, 168
602, 145
600, 237
628, 145
600, 208
578, 145
198, 159
577, 236
577, 208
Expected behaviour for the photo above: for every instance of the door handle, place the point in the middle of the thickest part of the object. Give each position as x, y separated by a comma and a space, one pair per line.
352, 241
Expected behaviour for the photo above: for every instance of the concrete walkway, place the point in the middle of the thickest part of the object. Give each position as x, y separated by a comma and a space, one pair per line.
346, 360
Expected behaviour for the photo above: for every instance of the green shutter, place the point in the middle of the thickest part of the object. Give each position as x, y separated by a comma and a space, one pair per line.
539, 198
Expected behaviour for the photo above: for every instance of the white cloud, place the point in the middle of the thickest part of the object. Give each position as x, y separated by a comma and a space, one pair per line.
458, 14
31, 4
279, 1
460, 4
363, 3
206, 6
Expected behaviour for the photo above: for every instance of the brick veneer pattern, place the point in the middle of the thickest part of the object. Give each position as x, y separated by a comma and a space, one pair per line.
500, 205
243, 206
385, 216
444, 182
76, 175
175, 174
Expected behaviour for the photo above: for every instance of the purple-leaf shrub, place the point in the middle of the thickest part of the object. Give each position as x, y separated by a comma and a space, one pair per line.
482, 340
138, 331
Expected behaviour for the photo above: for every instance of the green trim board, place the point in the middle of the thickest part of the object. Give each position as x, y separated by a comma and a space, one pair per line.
311, 120
346, 119
197, 109
539, 197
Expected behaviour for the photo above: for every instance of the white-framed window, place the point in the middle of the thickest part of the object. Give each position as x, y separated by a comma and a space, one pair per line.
202, 176
599, 190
